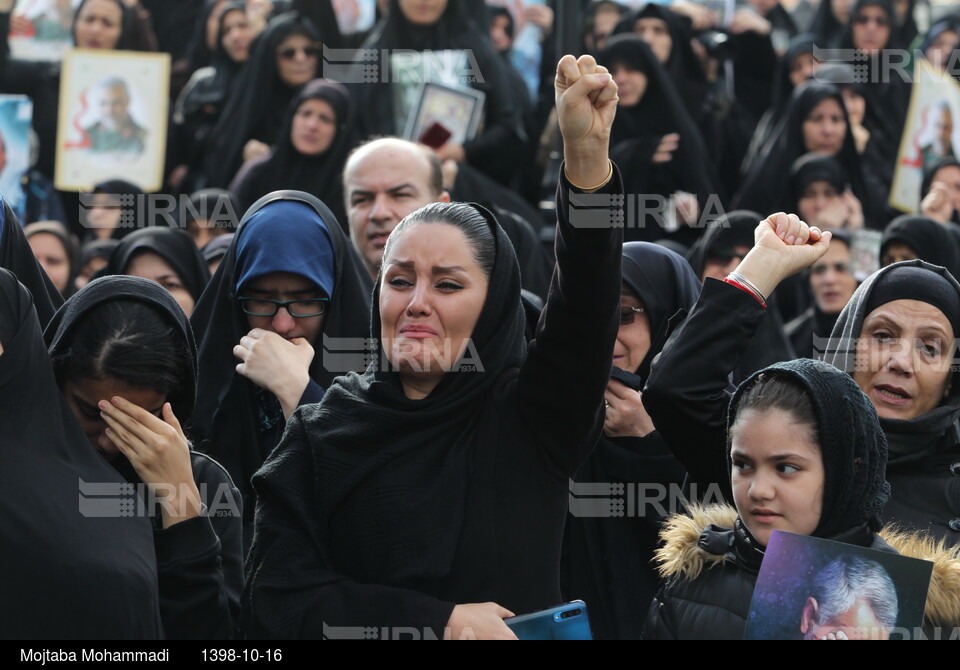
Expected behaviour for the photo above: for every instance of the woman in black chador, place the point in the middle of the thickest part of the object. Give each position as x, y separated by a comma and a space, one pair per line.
431, 490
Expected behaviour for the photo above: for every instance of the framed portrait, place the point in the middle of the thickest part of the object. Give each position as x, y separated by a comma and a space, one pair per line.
16, 112
931, 133
446, 112
113, 118
41, 29
815, 589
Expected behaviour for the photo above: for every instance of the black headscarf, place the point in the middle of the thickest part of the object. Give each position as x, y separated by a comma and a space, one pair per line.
783, 88
637, 132
665, 284
174, 246
494, 149
734, 229
852, 445
97, 249
813, 167
226, 416
887, 95
826, 28
930, 240
909, 440
69, 243
17, 256
767, 187
218, 207
128, 206
369, 442
200, 54
287, 168
69, 571
61, 330
126, 23
257, 106
683, 64
225, 68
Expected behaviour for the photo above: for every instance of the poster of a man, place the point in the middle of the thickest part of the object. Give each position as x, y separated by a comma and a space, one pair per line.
810, 588
940, 142
115, 130
112, 119
852, 598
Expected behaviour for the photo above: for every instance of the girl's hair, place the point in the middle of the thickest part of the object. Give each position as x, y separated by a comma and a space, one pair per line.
773, 391
129, 341
465, 218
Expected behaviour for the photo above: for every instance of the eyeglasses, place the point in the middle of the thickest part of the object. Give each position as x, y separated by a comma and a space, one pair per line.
841, 268
291, 53
297, 308
628, 314
863, 20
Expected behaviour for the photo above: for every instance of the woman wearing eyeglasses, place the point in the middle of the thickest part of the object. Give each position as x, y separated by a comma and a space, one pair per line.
284, 58
290, 278
606, 560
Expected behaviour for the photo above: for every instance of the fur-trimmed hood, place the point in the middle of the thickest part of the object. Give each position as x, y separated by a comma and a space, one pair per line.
681, 555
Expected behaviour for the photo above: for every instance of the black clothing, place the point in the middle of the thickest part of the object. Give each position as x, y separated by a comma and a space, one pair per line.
682, 66
827, 29
803, 330
766, 189
497, 148
606, 560
377, 509
172, 245
637, 132
923, 450
769, 345
286, 168
199, 561
230, 423
68, 571
257, 105
517, 218
17, 257
198, 107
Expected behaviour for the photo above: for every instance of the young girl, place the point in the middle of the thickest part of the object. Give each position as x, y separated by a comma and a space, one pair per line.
806, 455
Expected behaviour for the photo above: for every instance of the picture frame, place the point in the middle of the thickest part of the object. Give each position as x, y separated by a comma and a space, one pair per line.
112, 118
16, 113
457, 110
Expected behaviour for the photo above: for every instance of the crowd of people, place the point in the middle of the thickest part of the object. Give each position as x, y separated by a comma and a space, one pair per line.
354, 383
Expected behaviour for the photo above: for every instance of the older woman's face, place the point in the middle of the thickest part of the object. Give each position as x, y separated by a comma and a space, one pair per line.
903, 358
314, 127
633, 339
431, 294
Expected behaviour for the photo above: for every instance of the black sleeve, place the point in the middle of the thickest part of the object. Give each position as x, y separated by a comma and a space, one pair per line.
292, 591
686, 394
200, 561
561, 382
659, 624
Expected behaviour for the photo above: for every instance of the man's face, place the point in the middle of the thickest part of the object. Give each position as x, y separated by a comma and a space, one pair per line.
857, 623
113, 106
383, 184
944, 128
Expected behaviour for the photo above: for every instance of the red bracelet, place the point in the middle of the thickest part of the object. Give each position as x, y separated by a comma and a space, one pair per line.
746, 290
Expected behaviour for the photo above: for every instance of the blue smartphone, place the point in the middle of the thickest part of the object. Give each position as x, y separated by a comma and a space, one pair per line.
563, 622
